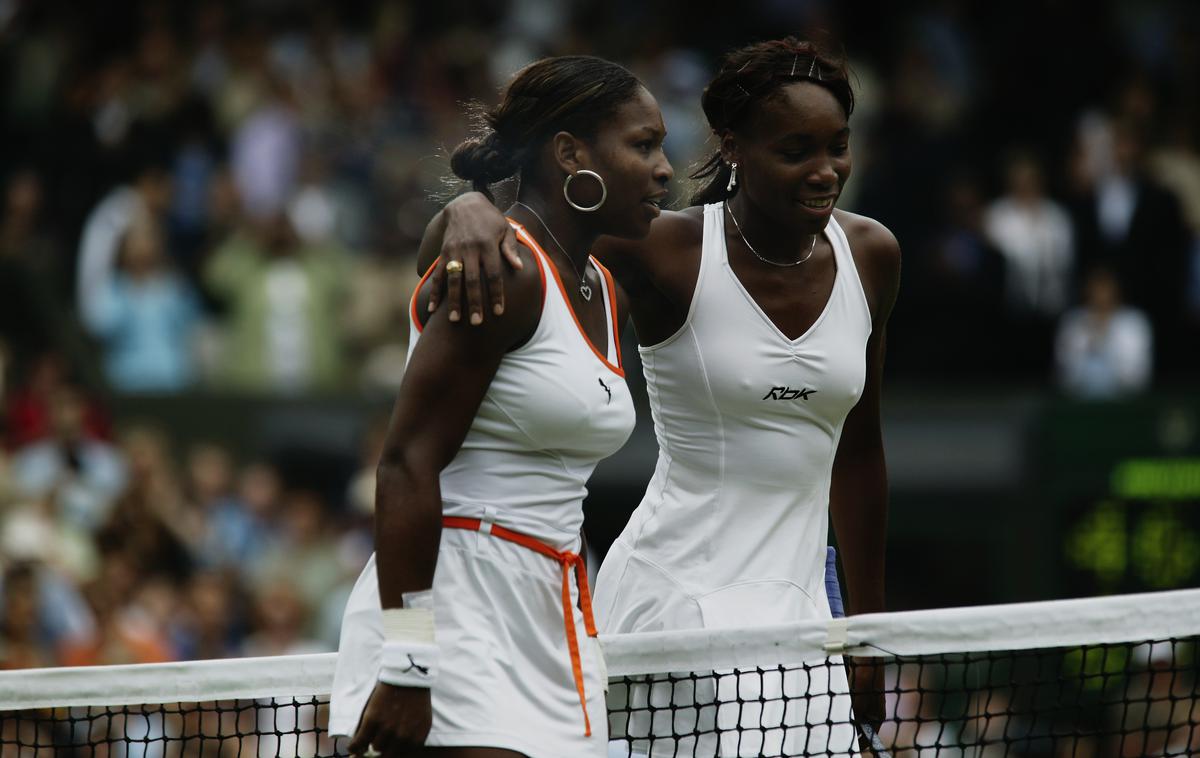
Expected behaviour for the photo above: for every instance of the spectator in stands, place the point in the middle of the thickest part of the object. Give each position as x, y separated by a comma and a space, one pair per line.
968, 271
146, 314
146, 524
1104, 349
306, 552
146, 197
29, 405
22, 645
281, 621
265, 153
32, 315
209, 624
1176, 165
81, 474
283, 304
1034, 234
123, 633
1129, 223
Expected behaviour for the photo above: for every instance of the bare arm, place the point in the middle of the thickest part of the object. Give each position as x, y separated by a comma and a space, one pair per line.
446, 380
858, 496
859, 491
655, 274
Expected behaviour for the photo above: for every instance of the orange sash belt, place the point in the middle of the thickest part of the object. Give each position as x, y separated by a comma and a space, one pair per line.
566, 560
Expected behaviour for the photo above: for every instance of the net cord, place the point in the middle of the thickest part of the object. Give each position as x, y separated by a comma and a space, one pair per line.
1020, 626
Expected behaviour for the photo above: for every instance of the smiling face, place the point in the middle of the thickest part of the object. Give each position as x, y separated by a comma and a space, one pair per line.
628, 153
793, 156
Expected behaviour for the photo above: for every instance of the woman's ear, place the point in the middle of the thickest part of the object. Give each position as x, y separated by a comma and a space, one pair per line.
570, 153
728, 147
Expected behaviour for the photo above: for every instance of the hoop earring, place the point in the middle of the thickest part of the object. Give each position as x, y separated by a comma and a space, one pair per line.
732, 177
567, 191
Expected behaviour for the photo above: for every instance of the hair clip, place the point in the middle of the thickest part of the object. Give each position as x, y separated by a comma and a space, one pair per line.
812, 68
794, 59
743, 89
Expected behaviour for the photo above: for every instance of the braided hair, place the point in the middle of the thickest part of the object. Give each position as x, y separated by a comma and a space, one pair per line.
574, 93
749, 76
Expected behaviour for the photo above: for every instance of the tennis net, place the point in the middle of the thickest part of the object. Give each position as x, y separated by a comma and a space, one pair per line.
1112, 676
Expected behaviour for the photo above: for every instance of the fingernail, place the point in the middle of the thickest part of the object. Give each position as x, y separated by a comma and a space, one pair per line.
454, 315
476, 319
431, 306
497, 309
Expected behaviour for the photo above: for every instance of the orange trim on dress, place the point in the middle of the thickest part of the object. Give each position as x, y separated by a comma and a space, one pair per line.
567, 560
612, 301
416, 293
524, 235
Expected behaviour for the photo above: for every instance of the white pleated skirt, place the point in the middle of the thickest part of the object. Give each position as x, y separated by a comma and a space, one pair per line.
506, 679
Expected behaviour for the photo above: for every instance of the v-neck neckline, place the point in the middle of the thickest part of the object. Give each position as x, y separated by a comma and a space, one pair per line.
837, 276
608, 294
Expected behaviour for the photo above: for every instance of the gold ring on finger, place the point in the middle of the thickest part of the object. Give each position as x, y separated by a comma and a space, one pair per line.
454, 267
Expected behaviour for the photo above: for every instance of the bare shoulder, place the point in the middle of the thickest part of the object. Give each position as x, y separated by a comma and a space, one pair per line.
523, 288
871, 238
659, 258
677, 229
877, 253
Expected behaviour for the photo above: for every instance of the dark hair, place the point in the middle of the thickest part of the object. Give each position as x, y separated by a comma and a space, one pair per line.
574, 93
752, 74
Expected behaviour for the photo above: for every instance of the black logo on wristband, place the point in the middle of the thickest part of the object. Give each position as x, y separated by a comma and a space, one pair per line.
422, 670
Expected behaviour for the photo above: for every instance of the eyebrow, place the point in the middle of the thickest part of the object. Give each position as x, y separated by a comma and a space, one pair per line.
651, 130
805, 137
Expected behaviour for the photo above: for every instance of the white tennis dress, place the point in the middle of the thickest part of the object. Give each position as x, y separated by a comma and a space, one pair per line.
509, 677
733, 526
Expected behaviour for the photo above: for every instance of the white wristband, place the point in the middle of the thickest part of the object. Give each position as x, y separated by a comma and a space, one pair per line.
406, 664
409, 656
408, 625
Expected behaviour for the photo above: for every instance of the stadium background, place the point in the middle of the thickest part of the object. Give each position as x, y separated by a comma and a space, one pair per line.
187, 462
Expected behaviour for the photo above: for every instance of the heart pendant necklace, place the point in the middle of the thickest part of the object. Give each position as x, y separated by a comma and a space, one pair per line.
585, 289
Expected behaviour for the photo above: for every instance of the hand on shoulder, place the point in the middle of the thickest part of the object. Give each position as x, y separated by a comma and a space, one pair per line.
524, 288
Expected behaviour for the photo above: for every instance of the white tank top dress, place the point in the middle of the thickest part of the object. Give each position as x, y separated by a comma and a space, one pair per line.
519, 670
732, 530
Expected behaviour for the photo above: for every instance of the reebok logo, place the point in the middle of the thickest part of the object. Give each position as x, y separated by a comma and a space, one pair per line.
787, 393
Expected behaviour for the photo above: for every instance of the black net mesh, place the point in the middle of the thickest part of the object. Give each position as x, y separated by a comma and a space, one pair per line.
1119, 700
270, 727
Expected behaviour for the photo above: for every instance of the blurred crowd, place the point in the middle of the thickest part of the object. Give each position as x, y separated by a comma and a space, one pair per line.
112, 553
227, 196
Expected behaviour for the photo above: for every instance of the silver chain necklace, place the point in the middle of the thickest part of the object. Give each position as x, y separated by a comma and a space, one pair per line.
585, 289
738, 226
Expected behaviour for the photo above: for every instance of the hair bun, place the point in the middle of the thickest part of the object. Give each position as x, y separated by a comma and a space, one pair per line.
483, 160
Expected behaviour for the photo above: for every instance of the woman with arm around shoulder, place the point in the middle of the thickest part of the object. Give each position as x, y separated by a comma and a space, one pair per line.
469, 633
761, 314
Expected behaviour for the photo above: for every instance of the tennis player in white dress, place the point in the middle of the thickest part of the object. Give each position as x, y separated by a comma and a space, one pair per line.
482, 640
732, 528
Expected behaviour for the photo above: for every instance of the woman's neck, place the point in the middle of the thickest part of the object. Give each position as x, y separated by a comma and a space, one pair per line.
769, 238
556, 227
